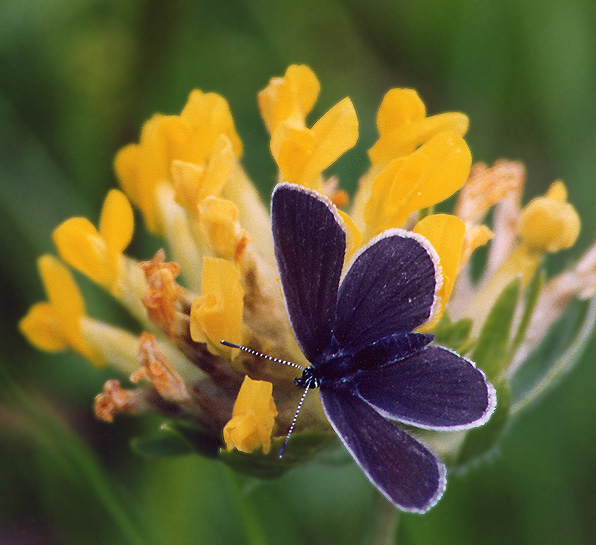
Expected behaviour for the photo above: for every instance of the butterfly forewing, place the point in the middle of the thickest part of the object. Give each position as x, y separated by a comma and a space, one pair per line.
388, 350
401, 468
389, 288
309, 245
434, 388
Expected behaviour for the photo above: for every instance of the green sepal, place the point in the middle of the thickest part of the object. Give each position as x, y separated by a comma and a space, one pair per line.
490, 352
301, 449
177, 438
478, 441
453, 335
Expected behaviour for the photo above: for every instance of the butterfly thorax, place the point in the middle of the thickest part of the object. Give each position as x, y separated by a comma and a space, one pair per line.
329, 368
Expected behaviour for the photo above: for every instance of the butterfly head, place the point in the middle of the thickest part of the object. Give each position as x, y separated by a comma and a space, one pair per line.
309, 379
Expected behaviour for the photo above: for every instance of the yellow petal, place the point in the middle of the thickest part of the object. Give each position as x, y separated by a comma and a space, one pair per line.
475, 236
42, 329
190, 137
209, 116
399, 106
142, 167
446, 233
64, 296
218, 222
116, 224
549, 223
448, 165
253, 417
98, 255
289, 99
56, 325
424, 178
386, 206
353, 235
292, 149
188, 182
403, 125
217, 313
126, 167
302, 154
219, 168
335, 133
80, 245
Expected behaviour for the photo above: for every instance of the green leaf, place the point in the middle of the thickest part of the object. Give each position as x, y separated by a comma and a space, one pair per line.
302, 448
556, 354
177, 438
479, 441
160, 445
453, 334
202, 441
531, 298
491, 349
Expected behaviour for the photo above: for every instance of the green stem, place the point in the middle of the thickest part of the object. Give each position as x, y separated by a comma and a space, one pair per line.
382, 526
252, 530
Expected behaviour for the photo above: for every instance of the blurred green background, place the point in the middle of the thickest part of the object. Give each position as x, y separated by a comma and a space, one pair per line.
78, 78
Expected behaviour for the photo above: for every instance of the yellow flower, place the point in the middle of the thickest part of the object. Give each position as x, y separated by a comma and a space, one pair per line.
549, 223
192, 137
289, 99
193, 183
546, 224
56, 324
253, 418
425, 177
97, 253
218, 222
403, 125
217, 313
302, 153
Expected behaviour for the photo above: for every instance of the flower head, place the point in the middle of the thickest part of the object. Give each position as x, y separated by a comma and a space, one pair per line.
217, 278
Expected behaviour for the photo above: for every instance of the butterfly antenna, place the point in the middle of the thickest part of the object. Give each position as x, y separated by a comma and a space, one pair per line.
283, 447
260, 354
285, 362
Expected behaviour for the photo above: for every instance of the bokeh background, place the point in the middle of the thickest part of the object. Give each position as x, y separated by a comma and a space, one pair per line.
78, 78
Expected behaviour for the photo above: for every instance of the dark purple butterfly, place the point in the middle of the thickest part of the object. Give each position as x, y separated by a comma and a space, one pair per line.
358, 337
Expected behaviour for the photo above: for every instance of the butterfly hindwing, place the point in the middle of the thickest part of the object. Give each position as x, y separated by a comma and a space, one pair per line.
389, 288
310, 245
434, 388
405, 472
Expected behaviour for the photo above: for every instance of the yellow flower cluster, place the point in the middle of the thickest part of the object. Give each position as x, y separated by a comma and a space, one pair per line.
185, 177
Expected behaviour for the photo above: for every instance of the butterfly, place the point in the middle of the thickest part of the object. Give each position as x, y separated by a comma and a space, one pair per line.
357, 333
